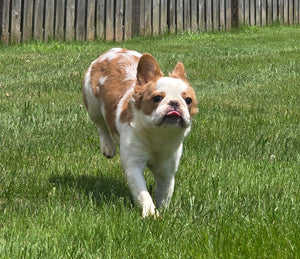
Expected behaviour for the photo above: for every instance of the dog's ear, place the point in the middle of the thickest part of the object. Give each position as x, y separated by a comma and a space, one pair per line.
147, 69
179, 71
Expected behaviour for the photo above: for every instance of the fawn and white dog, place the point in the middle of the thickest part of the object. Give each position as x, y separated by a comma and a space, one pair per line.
147, 114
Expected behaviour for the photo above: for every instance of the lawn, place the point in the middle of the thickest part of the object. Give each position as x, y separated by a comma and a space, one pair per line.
237, 192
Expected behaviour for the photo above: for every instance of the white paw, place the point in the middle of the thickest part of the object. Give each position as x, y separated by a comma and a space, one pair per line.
150, 211
107, 147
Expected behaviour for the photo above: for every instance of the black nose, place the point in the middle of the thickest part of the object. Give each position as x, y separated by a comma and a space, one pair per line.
174, 104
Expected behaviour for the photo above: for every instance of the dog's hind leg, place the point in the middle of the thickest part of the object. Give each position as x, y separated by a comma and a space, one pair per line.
106, 142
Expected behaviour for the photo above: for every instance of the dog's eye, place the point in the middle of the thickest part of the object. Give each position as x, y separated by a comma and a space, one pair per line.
188, 100
157, 98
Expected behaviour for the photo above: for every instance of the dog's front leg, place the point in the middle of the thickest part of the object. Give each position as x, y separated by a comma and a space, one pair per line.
134, 169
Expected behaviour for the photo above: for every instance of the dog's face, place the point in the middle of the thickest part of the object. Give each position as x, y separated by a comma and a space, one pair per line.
165, 101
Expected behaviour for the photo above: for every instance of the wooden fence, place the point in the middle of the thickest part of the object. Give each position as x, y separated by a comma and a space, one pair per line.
23, 20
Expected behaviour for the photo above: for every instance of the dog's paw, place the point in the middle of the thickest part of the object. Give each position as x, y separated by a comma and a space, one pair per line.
107, 147
150, 211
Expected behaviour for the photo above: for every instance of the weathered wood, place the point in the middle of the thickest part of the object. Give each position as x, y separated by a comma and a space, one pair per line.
80, 21
201, 10
109, 20
172, 17
228, 15
148, 12
49, 19
142, 17
90, 20
285, 11
155, 15
128, 20
4, 23
100, 19
216, 13
269, 11
280, 10
27, 20
241, 12
70, 20
179, 15
60, 20
263, 12
275, 11
247, 12
38, 20
296, 12
209, 15
252, 12
119, 15
15, 21
163, 16
291, 12
258, 13
187, 16
194, 22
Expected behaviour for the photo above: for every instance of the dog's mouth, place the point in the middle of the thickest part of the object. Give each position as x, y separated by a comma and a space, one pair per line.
173, 117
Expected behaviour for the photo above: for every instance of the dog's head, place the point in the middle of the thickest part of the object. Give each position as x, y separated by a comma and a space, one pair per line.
166, 101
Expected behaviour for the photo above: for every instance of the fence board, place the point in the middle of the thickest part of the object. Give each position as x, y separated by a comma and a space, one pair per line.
148, 12
179, 16
4, 30
128, 20
80, 21
228, 15
209, 15
49, 20
119, 20
172, 19
155, 15
163, 16
38, 20
16, 21
201, 10
194, 22
187, 15
90, 20
247, 12
60, 20
70, 20
216, 17
241, 12
291, 12
142, 17
109, 20
264, 12
100, 19
258, 13
27, 21
275, 11
222, 15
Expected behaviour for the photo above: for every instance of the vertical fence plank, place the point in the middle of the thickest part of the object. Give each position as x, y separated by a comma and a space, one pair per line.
222, 15
15, 21
155, 17
90, 20
285, 11
38, 20
241, 12
179, 15
142, 17
201, 10
187, 15
209, 15
110, 20
252, 12
119, 15
247, 12
27, 21
296, 12
172, 17
216, 13
148, 12
274, 11
80, 20
4, 30
194, 22
257, 12
228, 15
128, 20
291, 12
280, 10
70, 20
100, 19
49, 19
269, 11
163, 16
60, 20
263, 12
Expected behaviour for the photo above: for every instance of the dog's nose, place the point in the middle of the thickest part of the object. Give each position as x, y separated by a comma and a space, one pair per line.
174, 104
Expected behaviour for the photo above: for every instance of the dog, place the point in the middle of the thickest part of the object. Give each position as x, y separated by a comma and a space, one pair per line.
132, 104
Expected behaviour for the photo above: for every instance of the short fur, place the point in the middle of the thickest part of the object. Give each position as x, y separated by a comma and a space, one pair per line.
147, 114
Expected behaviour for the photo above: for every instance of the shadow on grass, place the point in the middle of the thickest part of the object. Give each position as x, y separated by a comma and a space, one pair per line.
101, 189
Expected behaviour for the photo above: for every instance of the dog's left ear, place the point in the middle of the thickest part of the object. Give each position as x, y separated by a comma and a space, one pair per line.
179, 71
147, 69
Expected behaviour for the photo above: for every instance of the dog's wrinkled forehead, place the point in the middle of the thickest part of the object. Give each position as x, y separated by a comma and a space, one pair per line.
171, 86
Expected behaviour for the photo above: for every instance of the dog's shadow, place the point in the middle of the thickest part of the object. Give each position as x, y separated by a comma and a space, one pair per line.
99, 188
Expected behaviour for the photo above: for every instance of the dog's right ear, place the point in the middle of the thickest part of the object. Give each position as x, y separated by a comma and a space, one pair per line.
148, 69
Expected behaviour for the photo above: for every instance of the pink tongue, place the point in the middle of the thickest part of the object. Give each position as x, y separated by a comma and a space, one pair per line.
176, 113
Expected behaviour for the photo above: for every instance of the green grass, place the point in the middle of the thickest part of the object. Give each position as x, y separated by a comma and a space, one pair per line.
237, 192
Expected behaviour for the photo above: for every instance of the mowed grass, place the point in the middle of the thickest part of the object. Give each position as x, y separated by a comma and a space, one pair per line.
237, 192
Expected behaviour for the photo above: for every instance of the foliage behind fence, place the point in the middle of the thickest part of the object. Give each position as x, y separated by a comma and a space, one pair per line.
23, 20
